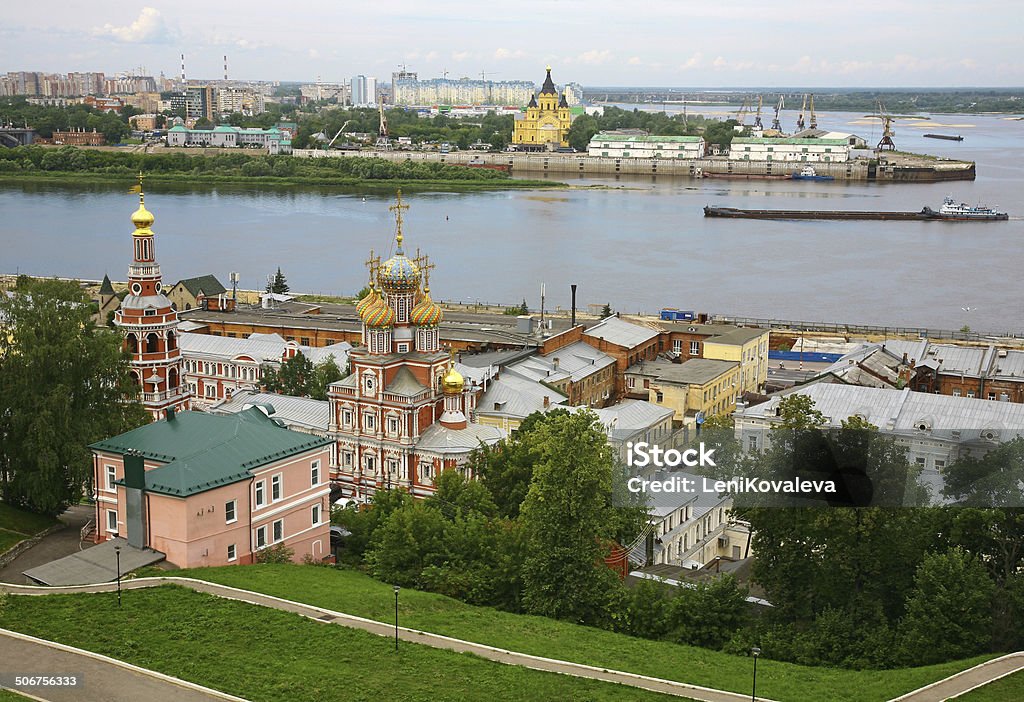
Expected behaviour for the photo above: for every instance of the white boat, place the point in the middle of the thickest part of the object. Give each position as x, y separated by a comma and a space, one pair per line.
952, 210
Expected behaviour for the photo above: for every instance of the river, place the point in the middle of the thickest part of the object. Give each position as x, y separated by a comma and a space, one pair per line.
637, 244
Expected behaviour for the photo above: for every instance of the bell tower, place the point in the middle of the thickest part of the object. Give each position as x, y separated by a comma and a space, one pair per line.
150, 324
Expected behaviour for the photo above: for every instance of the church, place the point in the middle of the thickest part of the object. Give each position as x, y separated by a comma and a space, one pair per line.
545, 124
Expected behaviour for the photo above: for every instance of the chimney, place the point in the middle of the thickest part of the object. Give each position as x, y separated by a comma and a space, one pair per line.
135, 505
904, 358
170, 414
555, 362
547, 401
573, 288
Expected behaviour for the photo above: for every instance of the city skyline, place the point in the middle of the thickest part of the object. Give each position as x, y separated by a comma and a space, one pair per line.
940, 44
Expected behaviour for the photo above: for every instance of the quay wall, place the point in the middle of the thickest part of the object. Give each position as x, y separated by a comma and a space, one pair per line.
584, 165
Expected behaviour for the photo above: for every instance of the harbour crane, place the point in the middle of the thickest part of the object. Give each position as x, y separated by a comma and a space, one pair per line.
800, 117
885, 143
329, 145
814, 117
740, 113
757, 119
776, 125
383, 142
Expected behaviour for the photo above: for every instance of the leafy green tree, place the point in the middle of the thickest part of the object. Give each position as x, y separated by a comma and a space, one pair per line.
324, 373
66, 384
992, 480
583, 128
279, 284
949, 613
410, 540
708, 613
457, 496
565, 517
294, 377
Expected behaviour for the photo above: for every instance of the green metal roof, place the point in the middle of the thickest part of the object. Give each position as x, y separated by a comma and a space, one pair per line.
790, 141
647, 139
207, 284
204, 451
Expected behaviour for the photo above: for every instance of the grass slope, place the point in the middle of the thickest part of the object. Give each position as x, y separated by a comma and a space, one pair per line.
354, 593
16, 525
264, 654
1009, 688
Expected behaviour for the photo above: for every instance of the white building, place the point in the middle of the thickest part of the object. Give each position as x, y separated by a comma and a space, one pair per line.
273, 140
832, 147
620, 145
364, 91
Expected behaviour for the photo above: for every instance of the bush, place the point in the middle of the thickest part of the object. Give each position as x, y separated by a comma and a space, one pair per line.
278, 553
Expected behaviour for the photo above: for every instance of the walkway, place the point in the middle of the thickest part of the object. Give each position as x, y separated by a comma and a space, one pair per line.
670, 687
967, 680
50, 548
101, 678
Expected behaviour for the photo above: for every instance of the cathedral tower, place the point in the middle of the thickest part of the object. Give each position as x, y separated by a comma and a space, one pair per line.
150, 324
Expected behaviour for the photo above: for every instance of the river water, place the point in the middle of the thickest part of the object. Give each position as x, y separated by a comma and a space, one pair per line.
638, 244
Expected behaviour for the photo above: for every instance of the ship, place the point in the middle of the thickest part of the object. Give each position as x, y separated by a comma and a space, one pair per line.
746, 176
950, 212
947, 137
808, 173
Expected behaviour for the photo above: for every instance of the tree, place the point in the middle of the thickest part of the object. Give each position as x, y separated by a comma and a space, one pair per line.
66, 384
324, 373
708, 613
411, 539
949, 613
203, 123
580, 132
279, 284
566, 517
607, 310
294, 377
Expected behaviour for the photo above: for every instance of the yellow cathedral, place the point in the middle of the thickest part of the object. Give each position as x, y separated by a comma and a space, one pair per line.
546, 122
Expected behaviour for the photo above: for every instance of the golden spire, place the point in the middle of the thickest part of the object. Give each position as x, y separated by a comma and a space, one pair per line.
397, 209
141, 218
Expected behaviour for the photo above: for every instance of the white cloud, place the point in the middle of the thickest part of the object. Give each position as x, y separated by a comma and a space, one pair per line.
148, 28
692, 62
594, 57
635, 61
460, 55
431, 56
502, 54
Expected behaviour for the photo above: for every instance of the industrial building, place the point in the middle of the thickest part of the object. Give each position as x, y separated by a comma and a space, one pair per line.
617, 144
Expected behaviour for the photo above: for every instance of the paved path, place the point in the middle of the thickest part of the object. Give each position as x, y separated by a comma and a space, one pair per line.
102, 679
692, 692
966, 680
50, 548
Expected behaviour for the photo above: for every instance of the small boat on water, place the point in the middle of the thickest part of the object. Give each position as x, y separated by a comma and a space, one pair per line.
808, 173
947, 137
952, 210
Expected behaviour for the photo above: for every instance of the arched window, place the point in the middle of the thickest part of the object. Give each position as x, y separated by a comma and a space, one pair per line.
171, 341
152, 343
131, 343
172, 379
138, 378
188, 306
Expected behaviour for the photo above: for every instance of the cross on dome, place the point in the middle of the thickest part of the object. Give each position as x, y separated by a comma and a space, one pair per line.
397, 209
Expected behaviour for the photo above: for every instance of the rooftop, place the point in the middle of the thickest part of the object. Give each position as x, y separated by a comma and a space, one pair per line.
295, 412
573, 362
738, 336
645, 138
626, 418
695, 371
204, 451
621, 333
206, 284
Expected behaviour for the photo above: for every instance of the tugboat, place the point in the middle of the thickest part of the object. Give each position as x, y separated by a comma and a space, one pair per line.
808, 173
962, 211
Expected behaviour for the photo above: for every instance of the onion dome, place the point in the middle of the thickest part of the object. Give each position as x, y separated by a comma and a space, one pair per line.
426, 313
452, 382
368, 301
142, 218
379, 315
399, 274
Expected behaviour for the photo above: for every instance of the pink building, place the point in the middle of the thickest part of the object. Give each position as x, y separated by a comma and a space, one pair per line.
210, 490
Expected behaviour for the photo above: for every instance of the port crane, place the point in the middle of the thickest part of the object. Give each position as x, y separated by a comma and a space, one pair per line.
331, 143
757, 119
383, 142
744, 109
776, 125
814, 117
885, 143
800, 117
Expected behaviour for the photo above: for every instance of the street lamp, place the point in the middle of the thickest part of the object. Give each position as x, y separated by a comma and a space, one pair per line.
396, 617
753, 693
117, 555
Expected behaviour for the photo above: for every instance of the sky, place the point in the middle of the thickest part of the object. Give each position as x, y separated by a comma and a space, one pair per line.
771, 43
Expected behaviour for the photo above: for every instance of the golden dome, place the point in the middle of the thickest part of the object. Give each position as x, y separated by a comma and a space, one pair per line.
453, 382
142, 218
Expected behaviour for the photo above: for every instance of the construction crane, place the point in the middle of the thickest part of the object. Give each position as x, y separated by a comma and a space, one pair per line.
757, 119
814, 117
776, 125
383, 142
885, 143
331, 143
744, 109
800, 117
490, 93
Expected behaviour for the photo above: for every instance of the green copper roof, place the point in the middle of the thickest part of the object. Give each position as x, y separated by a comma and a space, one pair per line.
646, 139
204, 451
791, 141
206, 284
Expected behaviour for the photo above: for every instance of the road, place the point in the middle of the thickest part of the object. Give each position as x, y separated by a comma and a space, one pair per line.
102, 679
50, 548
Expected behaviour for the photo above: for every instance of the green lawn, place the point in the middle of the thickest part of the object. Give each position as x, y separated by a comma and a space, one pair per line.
1009, 688
14, 519
11, 696
264, 654
354, 593
9, 538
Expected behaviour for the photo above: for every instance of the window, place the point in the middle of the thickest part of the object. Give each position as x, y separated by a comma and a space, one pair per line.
677, 345
392, 425
275, 488
694, 348
920, 460
230, 514
232, 552
630, 382
112, 521
111, 477
939, 463
278, 530
752, 443
316, 514
304, 340
970, 393
261, 537
314, 473
261, 493
346, 418
956, 392
368, 421
992, 396
346, 458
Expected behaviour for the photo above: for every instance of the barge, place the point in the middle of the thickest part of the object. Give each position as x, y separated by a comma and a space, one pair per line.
949, 212
947, 137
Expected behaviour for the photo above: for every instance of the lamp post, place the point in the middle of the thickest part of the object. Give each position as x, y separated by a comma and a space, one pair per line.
117, 555
753, 693
396, 617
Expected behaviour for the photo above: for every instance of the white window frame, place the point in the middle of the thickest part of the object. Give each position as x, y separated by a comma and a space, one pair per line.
231, 507
677, 346
261, 535
278, 525
260, 498
314, 473
316, 515
112, 529
111, 473
276, 488
232, 553
694, 348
